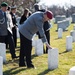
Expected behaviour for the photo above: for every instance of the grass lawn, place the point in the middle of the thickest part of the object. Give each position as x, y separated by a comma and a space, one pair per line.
66, 59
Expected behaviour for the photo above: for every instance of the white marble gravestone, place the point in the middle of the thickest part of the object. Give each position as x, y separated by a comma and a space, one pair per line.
74, 36
59, 18
64, 24
1, 65
72, 71
73, 18
71, 34
35, 37
18, 35
39, 47
68, 43
60, 31
3, 51
53, 58
74, 27
18, 20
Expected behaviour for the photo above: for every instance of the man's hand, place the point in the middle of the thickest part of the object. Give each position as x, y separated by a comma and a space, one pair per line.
48, 46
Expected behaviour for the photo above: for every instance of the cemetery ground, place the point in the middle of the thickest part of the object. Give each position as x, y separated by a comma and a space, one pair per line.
66, 59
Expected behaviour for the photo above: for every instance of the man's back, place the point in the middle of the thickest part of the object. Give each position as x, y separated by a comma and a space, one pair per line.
33, 24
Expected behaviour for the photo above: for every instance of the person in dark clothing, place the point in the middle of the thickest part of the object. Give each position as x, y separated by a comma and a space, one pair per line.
14, 29
5, 29
46, 27
30, 13
8, 10
11, 25
24, 16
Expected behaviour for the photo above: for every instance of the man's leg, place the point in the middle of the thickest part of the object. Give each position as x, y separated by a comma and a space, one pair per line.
11, 45
22, 51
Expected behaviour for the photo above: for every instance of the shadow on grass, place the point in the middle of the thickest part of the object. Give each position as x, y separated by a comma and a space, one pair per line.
33, 56
16, 49
12, 61
13, 71
57, 38
45, 72
18, 42
63, 30
64, 52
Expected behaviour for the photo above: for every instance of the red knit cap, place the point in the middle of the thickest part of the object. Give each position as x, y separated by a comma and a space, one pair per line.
49, 14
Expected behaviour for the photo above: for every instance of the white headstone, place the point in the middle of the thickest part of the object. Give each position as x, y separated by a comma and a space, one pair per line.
33, 42
59, 18
53, 58
1, 65
18, 35
35, 37
64, 24
74, 27
73, 18
39, 47
68, 43
71, 33
18, 20
60, 33
73, 36
72, 71
3, 51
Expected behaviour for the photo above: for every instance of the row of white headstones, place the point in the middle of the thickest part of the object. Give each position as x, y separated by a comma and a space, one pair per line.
52, 53
69, 40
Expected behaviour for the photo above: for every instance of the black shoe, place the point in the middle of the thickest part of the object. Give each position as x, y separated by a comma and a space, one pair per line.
30, 66
22, 65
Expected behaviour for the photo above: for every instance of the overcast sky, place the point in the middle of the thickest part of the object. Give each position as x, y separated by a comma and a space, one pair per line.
58, 2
